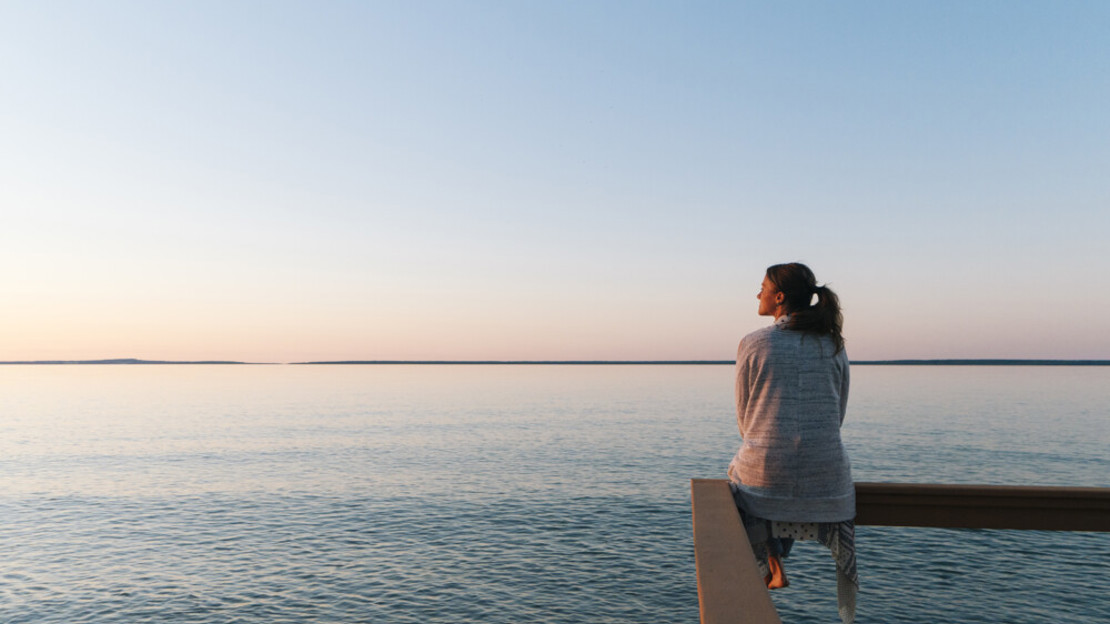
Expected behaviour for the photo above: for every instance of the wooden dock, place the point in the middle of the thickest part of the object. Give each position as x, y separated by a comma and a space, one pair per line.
731, 590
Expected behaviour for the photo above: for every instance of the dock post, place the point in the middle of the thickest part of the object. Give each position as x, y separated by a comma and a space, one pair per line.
730, 588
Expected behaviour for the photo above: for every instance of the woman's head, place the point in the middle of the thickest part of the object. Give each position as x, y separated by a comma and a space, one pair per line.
793, 289
795, 283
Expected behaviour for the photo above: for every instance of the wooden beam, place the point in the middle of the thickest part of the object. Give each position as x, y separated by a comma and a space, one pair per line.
983, 506
730, 588
731, 591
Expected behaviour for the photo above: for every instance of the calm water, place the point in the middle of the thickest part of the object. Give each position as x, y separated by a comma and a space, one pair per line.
507, 494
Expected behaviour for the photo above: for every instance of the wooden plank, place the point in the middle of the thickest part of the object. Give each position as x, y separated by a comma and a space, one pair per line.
730, 588
1044, 508
983, 506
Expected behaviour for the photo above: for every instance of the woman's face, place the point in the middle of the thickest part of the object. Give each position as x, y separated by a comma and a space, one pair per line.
770, 299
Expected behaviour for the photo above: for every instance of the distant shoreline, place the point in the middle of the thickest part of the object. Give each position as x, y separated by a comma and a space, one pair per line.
981, 363
944, 362
120, 361
949, 362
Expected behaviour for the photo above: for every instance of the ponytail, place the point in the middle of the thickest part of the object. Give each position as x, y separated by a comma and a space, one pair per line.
798, 285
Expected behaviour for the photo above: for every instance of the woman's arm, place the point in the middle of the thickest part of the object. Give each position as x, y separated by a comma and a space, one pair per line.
844, 379
741, 391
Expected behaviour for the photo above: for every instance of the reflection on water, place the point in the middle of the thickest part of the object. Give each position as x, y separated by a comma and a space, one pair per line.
500, 493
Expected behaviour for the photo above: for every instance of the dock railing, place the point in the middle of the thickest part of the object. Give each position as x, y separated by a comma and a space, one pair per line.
731, 590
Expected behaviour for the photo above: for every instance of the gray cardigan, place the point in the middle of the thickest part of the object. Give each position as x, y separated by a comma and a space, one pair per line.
791, 397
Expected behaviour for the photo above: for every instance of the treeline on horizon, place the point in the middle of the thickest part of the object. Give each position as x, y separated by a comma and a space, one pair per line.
940, 362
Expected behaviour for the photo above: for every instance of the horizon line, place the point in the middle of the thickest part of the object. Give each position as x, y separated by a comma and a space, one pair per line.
896, 362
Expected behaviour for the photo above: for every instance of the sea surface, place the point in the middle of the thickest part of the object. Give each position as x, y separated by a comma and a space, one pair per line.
502, 494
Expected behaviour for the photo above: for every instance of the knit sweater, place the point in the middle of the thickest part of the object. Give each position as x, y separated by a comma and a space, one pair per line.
791, 397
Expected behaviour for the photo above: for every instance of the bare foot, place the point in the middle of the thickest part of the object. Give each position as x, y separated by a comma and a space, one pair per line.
777, 578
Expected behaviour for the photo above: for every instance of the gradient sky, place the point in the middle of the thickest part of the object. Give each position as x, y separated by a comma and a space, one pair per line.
289, 181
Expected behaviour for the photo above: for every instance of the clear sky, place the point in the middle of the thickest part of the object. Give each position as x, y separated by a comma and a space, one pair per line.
289, 181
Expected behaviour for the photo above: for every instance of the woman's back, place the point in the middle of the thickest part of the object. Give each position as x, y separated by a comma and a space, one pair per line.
791, 396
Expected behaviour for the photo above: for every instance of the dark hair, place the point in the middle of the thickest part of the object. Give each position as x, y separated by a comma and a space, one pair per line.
798, 285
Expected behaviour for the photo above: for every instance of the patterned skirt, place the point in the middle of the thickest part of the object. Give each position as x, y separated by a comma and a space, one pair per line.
775, 538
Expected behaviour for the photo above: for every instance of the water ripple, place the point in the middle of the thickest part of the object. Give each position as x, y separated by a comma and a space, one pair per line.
504, 495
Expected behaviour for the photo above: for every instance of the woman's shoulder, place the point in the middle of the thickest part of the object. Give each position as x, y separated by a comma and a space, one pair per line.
758, 340
763, 333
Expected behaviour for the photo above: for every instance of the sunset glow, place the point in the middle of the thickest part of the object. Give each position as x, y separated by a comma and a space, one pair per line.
545, 181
